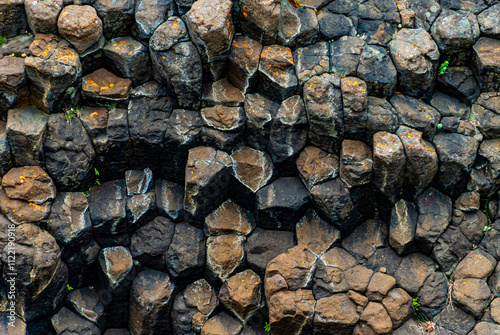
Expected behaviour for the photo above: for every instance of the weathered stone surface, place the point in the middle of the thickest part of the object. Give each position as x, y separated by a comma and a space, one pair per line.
241, 293
456, 154
385, 260
471, 226
355, 163
433, 295
192, 307
376, 317
169, 199
413, 271
26, 131
141, 208
26, 195
13, 18
477, 264
221, 324
416, 114
415, 56
355, 100
288, 134
225, 255
207, 178
138, 182
82, 264
291, 312
297, 26
176, 63
448, 106
377, 70
151, 297
221, 92
381, 116
149, 244
102, 86
229, 218
186, 255
69, 153
182, 134
259, 111
116, 273
450, 247
14, 84
243, 62
5, 153
41, 275
421, 161
365, 239
310, 61
489, 22
379, 10
66, 322
486, 67
222, 126
277, 77
380, 284
85, 302
376, 32
323, 103
345, 54
54, 72
483, 328
335, 315
260, 248
316, 166
260, 20
42, 16
472, 295
459, 82
399, 306
117, 17
485, 115
281, 204
434, 210
128, 58
80, 25
316, 234
150, 14
455, 32
448, 319
334, 25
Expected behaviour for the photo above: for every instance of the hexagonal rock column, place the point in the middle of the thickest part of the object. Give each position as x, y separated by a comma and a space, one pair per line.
26, 130
116, 273
243, 63
402, 226
252, 170
378, 71
85, 302
229, 218
5, 154
323, 102
103, 87
41, 275
241, 294
356, 163
151, 298
312, 60
222, 324
421, 161
316, 166
42, 15
222, 126
281, 204
455, 33
335, 315
207, 179
192, 307
170, 199
110, 138
485, 115
54, 72
13, 18
355, 101
260, 20
315, 234
225, 256
221, 92
259, 111
277, 77
177, 63
211, 28
486, 54
26, 194
66, 321
80, 25
291, 312
69, 153
117, 16
14, 86
416, 57
149, 14
128, 58
489, 23
297, 26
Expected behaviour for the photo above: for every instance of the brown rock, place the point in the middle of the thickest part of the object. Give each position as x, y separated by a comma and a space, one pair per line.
495, 310
277, 77
222, 126
399, 305
241, 293
316, 234
412, 272
221, 92
355, 101
229, 218
80, 25
377, 318
224, 255
103, 86
316, 166
243, 62
291, 312
355, 163
335, 315
358, 277
29, 183
477, 264
357, 298
468, 202
221, 324
472, 294
260, 20
380, 284
42, 15
486, 54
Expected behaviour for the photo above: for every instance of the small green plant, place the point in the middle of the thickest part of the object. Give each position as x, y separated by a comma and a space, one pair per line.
69, 287
111, 106
70, 113
267, 327
443, 67
470, 11
96, 173
486, 228
86, 192
2, 40
439, 126
400, 26
420, 317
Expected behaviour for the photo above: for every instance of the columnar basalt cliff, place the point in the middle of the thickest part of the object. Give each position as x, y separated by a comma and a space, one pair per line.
218, 167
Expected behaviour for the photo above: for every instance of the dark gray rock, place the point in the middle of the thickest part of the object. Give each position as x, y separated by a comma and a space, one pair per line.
455, 320
13, 18
85, 302
169, 199
384, 260
450, 248
459, 82
151, 297
413, 271
222, 126
128, 58
82, 265
379, 10
356, 163
485, 115
488, 21
333, 25
139, 181
243, 63
67, 322
433, 295
116, 273
259, 112
149, 14
376, 31
185, 258
312, 60
448, 106
281, 204
260, 21
69, 154
14, 86
381, 116
403, 224
365, 239
426, 12
117, 17
297, 27
485, 63
417, 115
345, 54
26, 130
141, 208
316, 234
42, 18
5, 154
330, 276
377, 70
176, 63
323, 103
149, 244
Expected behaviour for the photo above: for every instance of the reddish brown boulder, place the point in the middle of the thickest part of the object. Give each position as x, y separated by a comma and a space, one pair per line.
316, 166
335, 315
225, 254
241, 293
102, 86
291, 312
80, 25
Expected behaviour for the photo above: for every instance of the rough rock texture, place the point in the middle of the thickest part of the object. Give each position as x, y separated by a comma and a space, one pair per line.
80, 25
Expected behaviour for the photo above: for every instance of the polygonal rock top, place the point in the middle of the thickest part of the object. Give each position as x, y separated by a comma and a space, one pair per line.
80, 25
105, 84
29, 183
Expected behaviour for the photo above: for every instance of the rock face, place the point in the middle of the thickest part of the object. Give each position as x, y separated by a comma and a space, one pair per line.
80, 25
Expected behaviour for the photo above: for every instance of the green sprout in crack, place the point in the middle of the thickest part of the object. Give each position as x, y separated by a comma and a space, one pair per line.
439, 126
72, 112
2, 40
486, 229
267, 327
69, 287
443, 67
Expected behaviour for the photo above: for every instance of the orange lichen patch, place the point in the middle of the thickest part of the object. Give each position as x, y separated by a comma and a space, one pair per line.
65, 56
